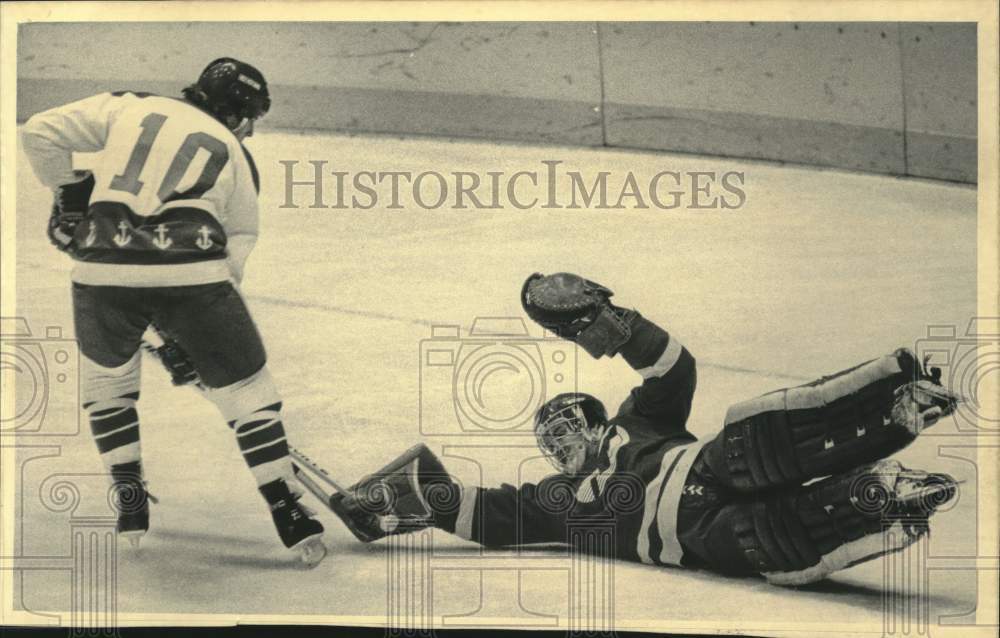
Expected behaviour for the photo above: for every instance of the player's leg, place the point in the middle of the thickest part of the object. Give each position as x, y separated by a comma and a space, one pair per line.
109, 323
804, 534
214, 326
828, 426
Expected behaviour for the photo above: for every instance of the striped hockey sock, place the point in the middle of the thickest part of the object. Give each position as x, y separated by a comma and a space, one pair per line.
115, 426
261, 438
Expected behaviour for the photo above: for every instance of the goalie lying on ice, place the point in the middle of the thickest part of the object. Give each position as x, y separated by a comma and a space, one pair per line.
737, 503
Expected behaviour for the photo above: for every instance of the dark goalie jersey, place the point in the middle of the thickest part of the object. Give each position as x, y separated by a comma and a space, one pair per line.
644, 458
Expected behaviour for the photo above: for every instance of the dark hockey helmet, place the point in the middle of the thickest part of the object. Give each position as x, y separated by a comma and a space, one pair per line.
565, 419
230, 90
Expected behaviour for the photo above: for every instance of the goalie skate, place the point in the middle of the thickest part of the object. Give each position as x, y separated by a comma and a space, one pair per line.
915, 494
920, 404
842, 520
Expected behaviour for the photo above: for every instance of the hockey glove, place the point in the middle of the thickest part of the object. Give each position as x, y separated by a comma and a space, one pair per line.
69, 207
174, 359
400, 498
578, 310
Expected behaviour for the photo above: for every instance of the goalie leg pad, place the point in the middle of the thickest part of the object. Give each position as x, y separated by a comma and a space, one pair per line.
818, 429
403, 496
806, 535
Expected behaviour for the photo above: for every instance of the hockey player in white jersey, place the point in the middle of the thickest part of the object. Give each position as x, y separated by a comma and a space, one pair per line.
160, 229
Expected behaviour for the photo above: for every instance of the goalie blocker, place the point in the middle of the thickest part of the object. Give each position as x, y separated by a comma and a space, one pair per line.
410, 493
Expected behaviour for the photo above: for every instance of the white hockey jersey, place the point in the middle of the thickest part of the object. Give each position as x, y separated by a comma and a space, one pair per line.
175, 194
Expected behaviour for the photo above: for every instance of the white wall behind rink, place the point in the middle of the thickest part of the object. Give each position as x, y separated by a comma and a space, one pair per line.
896, 98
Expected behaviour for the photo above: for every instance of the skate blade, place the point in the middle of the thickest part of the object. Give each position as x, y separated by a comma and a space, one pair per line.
133, 537
926, 500
311, 550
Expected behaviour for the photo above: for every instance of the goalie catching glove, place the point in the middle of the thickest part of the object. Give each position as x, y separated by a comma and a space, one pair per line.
578, 310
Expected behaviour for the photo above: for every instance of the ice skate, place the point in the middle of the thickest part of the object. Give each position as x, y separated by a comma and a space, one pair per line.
844, 520
311, 550
131, 500
297, 530
908, 496
917, 493
901, 501
919, 404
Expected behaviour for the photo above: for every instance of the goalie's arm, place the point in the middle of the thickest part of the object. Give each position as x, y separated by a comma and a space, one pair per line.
423, 493
668, 371
509, 516
580, 310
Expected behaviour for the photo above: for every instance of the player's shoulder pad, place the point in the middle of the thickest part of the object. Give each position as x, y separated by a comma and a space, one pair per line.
253, 168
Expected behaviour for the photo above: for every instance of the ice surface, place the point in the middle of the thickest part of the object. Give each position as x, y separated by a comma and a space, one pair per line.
818, 271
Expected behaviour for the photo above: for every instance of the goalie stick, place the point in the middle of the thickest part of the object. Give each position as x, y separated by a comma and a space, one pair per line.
310, 475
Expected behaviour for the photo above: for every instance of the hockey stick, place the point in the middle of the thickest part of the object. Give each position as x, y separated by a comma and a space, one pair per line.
310, 475
301, 459
171, 356
159, 345
302, 465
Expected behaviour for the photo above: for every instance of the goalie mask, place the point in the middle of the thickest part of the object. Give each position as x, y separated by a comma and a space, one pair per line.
568, 427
